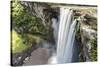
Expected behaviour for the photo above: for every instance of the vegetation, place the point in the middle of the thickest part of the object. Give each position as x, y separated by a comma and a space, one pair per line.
29, 29
26, 29
22, 42
24, 22
93, 53
17, 43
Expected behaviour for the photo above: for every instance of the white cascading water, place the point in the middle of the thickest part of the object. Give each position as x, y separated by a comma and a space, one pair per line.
66, 36
55, 26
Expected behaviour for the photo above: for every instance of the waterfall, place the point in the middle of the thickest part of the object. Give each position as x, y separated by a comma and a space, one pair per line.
66, 36
55, 26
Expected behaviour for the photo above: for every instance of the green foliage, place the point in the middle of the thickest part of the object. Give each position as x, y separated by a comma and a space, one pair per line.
17, 43
94, 26
26, 28
93, 53
17, 9
22, 42
31, 39
24, 22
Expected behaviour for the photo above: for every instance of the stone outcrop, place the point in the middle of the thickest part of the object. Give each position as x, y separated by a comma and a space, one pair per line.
88, 33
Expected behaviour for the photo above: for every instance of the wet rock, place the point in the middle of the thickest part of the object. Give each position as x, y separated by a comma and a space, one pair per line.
38, 57
18, 58
87, 35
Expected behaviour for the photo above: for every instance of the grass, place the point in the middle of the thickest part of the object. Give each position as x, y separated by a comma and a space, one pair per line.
29, 38
22, 42
17, 43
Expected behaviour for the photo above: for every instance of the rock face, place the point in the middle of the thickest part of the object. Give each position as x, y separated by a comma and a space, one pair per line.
38, 57
88, 33
41, 55
18, 58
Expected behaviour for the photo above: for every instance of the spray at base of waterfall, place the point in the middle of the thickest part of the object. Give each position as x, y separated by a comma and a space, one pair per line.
53, 59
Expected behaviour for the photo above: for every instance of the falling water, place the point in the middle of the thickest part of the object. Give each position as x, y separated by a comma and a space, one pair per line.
55, 26
66, 36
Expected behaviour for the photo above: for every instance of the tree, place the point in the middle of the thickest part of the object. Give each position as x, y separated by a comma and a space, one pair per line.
24, 22
37, 9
